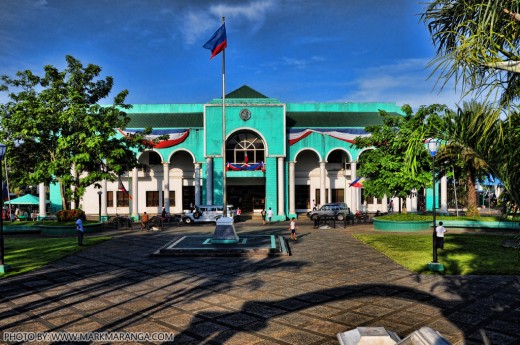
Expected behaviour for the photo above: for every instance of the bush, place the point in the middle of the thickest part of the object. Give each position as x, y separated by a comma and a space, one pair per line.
68, 215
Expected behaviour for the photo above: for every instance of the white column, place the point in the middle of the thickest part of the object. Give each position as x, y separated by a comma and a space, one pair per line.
354, 199
385, 204
197, 183
104, 212
166, 185
292, 186
209, 181
42, 199
444, 195
135, 193
281, 184
413, 207
323, 176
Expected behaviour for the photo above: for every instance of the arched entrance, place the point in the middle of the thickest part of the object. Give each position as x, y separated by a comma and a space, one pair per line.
245, 152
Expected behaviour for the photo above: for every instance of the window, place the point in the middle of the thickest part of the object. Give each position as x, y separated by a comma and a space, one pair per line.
110, 199
242, 145
302, 194
152, 198
317, 197
188, 196
122, 199
338, 195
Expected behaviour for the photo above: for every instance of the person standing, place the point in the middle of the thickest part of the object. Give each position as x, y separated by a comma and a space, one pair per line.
440, 230
239, 213
263, 216
79, 229
144, 221
270, 215
292, 228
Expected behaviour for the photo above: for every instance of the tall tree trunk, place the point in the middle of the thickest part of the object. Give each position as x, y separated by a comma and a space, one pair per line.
64, 204
472, 193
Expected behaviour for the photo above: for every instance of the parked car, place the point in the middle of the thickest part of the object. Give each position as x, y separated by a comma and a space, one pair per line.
206, 213
339, 210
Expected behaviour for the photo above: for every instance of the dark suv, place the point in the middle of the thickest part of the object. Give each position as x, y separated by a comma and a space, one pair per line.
339, 210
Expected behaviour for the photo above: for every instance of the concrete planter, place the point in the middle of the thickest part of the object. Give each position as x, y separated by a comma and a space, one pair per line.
481, 225
402, 226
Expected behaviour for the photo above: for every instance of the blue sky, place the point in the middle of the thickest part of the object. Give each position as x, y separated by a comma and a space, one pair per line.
292, 50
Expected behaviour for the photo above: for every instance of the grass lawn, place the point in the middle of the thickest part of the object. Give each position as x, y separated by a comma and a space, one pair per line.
463, 253
29, 253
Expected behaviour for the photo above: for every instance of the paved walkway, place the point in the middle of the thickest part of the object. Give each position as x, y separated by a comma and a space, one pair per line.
332, 283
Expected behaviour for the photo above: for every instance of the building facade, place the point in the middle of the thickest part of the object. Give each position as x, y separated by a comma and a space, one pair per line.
283, 156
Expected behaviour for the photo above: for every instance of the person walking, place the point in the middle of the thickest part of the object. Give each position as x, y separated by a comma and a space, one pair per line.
440, 230
263, 216
79, 228
270, 215
144, 221
292, 228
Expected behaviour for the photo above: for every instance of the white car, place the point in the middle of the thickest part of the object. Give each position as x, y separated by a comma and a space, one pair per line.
207, 213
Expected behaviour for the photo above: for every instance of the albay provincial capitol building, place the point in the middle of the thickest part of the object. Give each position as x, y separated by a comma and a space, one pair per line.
283, 156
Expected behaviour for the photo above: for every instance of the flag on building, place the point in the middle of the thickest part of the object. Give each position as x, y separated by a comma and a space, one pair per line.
122, 188
217, 42
357, 183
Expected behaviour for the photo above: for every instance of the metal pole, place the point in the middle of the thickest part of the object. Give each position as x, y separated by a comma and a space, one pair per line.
1, 219
99, 194
224, 184
434, 214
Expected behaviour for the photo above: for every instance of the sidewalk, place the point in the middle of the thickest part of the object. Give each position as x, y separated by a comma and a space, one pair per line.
332, 283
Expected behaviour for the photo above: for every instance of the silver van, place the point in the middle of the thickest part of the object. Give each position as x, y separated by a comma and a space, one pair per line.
207, 213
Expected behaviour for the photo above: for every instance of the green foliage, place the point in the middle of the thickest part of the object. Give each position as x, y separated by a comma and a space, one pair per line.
53, 123
69, 215
386, 168
463, 254
471, 37
29, 253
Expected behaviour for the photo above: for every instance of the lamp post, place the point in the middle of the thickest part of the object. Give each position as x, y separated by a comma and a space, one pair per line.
433, 145
3, 267
100, 192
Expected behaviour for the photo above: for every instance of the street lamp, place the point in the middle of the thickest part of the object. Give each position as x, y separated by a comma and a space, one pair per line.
100, 192
3, 267
433, 145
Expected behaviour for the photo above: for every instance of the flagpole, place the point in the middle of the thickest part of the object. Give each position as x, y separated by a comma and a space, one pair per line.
224, 185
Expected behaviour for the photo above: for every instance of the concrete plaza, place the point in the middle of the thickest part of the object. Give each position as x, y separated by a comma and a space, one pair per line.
332, 283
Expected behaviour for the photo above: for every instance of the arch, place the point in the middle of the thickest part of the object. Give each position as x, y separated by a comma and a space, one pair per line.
306, 149
245, 144
194, 160
147, 153
250, 129
344, 150
362, 151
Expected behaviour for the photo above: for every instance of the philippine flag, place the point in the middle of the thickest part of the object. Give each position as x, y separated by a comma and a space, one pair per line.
217, 42
357, 183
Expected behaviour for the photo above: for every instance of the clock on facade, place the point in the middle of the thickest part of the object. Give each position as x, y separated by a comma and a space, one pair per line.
245, 114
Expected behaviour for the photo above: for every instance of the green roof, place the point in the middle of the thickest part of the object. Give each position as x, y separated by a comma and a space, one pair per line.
245, 92
167, 120
333, 119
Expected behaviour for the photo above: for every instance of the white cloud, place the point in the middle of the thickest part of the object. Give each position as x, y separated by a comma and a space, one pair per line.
200, 23
403, 82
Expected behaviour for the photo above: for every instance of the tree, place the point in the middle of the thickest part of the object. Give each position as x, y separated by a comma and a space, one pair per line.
477, 44
384, 168
56, 131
